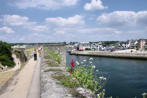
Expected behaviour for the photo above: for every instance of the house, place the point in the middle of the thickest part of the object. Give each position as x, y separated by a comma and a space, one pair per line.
84, 46
142, 44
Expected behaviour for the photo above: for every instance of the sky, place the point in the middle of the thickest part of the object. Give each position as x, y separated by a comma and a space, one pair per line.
33, 21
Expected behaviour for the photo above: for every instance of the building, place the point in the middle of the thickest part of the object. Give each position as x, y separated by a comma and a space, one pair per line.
143, 44
84, 46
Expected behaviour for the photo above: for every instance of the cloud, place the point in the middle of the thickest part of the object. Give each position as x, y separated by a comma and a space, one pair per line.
95, 5
22, 21
70, 21
38, 28
100, 30
15, 20
6, 30
68, 25
123, 18
142, 17
45, 4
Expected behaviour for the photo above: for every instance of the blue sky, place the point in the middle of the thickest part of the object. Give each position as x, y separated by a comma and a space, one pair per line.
72, 20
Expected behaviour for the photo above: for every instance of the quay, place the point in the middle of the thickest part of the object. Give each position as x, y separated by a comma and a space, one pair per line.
110, 54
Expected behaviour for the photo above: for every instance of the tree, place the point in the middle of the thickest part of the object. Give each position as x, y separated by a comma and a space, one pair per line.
6, 54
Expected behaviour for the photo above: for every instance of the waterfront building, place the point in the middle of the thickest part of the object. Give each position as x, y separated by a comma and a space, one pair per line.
143, 44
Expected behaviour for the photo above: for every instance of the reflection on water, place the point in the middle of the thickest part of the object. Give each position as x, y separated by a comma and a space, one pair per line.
125, 78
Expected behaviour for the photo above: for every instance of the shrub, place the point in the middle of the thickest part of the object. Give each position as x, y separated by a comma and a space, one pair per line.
85, 74
6, 54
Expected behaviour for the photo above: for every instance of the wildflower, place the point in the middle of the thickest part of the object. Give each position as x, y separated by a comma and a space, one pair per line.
73, 79
98, 96
93, 67
73, 63
77, 63
90, 59
97, 70
84, 60
102, 78
90, 62
144, 94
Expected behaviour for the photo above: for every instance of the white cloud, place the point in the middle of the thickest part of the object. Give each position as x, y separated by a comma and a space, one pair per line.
22, 21
123, 18
15, 20
62, 25
45, 4
100, 30
6, 30
95, 5
38, 28
71, 21
142, 17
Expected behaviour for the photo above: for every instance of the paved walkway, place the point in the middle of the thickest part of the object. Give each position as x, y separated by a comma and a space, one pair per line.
21, 85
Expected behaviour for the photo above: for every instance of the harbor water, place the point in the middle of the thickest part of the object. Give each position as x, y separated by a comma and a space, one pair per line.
126, 78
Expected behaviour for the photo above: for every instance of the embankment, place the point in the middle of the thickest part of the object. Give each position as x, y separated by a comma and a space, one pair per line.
111, 54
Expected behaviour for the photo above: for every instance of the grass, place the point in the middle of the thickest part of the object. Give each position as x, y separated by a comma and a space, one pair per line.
56, 70
67, 81
22, 64
4, 77
52, 63
55, 55
70, 83
47, 56
28, 51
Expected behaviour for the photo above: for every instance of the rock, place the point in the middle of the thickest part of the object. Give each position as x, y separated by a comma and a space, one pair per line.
50, 88
85, 92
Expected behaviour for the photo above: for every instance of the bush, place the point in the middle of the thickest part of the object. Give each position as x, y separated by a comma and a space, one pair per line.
85, 74
6, 54
87, 48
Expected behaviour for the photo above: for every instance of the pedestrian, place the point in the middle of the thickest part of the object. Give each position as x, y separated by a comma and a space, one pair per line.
39, 52
35, 55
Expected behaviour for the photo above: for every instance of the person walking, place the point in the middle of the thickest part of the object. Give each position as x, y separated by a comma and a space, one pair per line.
35, 55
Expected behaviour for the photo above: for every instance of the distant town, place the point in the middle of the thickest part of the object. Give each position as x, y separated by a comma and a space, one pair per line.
139, 45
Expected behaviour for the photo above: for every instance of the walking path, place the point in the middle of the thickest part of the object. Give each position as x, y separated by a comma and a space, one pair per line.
17, 66
21, 83
34, 91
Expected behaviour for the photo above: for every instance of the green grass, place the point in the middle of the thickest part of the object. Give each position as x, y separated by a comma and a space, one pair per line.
70, 83
51, 63
56, 70
67, 81
28, 51
55, 55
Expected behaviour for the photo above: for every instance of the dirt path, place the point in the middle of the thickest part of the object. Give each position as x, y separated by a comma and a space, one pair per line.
17, 66
21, 83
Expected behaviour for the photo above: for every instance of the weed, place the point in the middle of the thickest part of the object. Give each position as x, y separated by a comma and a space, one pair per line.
56, 70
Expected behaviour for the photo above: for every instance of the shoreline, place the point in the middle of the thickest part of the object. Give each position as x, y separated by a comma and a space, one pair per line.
142, 56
